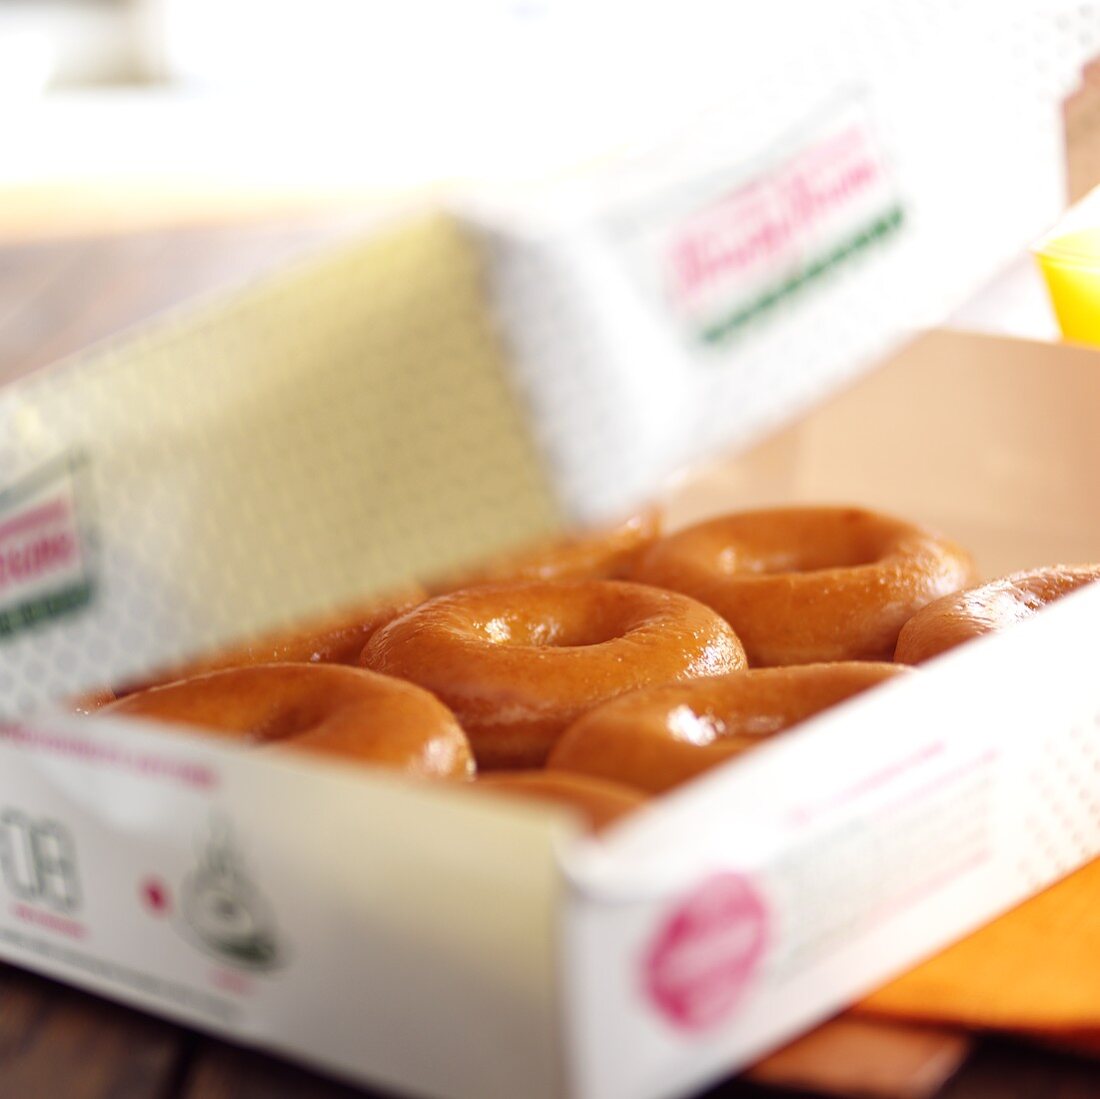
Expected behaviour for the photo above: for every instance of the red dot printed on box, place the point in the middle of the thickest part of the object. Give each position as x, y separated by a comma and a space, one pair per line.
155, 896
706, 951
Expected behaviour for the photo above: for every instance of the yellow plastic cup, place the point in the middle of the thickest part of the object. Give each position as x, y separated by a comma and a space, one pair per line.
1071, 267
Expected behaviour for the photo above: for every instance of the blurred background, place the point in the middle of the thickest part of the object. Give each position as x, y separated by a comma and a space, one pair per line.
222, 103
114, 106
268, 127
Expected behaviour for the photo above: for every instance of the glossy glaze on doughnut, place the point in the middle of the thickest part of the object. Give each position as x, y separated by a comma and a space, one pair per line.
517, 663
599, 802
654, 739
322, 708
606, 554
960, 617
809, 585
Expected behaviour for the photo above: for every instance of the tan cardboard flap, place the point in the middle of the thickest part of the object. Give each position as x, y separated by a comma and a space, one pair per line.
993, 441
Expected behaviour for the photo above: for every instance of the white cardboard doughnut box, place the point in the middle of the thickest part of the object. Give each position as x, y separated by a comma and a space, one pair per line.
457, 946
460, 385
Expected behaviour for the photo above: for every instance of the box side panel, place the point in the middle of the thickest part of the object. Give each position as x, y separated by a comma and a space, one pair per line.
316, 439
394, 933
763, 898
781, 246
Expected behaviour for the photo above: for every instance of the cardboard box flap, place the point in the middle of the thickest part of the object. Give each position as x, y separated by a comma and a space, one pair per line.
285, 900
327, 435
966, 433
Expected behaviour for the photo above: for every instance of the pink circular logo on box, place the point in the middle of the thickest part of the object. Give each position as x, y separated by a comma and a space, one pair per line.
704, 954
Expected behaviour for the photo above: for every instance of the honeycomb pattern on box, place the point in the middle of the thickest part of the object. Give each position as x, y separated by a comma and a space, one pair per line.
369, 417
331, 433
1061, 831
623, 389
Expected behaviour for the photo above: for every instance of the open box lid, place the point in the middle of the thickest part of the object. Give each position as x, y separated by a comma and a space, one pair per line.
699, 294
456, 386
256, 461
276, 456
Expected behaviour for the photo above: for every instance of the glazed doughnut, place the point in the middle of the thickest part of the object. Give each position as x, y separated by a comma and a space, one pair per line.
985, 609
655, 739
519, 662
335, 639
321, 708
596, 555
598, 802
809, 585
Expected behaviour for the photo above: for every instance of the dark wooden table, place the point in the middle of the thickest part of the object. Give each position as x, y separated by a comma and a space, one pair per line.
57, 1043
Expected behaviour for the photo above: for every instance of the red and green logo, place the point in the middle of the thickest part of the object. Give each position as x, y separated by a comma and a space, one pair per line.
761, 243
45, 546
735, 247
